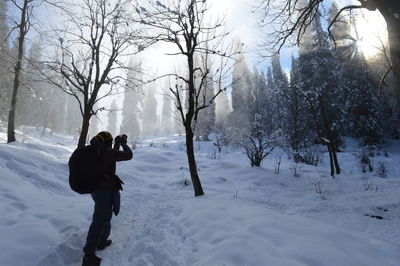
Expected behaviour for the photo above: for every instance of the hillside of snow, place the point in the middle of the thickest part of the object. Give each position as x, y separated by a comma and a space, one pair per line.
249, 216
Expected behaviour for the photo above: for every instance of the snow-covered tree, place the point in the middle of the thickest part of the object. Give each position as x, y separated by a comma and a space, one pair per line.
320, 78
32, 98
204, 122
241, 93
94, 127
112, 119
150, 121
280, 87
299, 131
167, 115
222, 110
132, 104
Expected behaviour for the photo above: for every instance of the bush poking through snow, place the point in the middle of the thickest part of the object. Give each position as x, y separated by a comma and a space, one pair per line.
278, 160
309, 155
296, 170
365, 160
182, 146
319, 189
235, 196
184, 180
381, 171
135, 144
214, 154
369, 186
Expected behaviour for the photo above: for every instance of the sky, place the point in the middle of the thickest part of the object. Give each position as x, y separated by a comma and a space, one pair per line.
238, 19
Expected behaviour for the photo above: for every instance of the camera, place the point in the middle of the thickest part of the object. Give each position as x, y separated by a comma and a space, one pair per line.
121, 139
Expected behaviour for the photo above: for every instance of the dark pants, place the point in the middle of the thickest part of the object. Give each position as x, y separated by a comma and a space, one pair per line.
99, 230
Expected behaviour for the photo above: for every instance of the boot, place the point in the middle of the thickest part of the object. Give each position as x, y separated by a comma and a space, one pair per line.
104, 244
91, 260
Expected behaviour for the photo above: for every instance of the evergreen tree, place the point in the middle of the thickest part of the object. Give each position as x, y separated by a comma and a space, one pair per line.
298, 120
150, 119
94, 127
206, 117
32, 97
321, 75
222, 110
132, 106
166, 113
112, 119
71, 116
365, 114
259, 104
358, 89
280, 87
241, 91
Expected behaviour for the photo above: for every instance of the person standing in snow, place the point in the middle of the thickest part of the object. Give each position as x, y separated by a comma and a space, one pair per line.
107, 196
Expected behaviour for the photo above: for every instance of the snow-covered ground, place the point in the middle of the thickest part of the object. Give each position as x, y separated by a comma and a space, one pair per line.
249, 216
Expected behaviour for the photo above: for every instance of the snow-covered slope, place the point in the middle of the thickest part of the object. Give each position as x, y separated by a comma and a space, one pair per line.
249, 216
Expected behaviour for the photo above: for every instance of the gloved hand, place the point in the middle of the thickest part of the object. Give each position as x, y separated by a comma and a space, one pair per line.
117, 140
124, 139
118, 183
116, 202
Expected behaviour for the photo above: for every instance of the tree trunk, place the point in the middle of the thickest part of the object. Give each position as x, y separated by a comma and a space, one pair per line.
191, 113
46, 118
335, 161
84, 131
21, 40
198, 189
11, 115
394, 43
390, 10
329, 146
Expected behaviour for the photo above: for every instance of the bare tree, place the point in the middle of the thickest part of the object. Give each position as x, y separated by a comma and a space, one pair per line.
23, 26
184, 24
292, 17
97, 38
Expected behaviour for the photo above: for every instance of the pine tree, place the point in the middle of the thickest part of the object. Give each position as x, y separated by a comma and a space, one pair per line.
298, 127
132, 106
71, 116
206, 117
166, 113
32, 98
112, 119
280, 87
150, 119
358, 89
94, 127
320, 74
222, 110
240, 95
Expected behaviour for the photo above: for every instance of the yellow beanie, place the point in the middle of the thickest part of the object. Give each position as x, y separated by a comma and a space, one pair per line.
103, 137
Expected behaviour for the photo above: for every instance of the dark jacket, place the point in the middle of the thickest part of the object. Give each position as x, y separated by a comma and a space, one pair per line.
108, 159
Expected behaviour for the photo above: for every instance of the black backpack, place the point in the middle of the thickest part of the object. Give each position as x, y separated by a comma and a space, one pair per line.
84, 173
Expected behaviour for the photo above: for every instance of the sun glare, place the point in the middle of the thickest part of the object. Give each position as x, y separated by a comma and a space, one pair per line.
370, 32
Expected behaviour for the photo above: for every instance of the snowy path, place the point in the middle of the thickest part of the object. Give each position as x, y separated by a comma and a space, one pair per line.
148, 235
